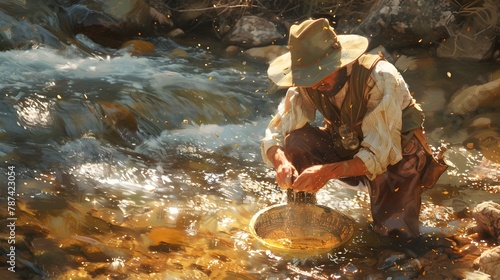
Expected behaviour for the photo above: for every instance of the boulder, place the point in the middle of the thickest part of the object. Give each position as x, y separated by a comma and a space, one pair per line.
475, 37
114, 22
22, 34
471, 98
99, 27
399, 24
487, 216
254, 31
489, 262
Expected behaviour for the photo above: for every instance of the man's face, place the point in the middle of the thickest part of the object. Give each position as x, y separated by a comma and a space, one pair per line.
326, 85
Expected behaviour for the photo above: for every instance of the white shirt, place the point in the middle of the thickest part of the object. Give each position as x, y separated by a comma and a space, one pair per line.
387, 95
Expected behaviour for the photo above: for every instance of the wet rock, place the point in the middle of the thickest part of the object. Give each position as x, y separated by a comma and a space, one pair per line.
489, 262
113, 22
120, 120
166, 247
177, 32
22, 34
98, 26
487, 216
253, 31
94, 253
390, 259
178, 53
138, 47
406, 270
232, 50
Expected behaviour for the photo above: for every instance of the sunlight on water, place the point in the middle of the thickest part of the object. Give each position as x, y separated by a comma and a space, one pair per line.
35, 112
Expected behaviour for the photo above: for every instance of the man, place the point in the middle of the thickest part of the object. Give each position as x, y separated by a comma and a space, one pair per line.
372, 125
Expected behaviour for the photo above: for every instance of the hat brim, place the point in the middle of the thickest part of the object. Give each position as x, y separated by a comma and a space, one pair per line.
281, 73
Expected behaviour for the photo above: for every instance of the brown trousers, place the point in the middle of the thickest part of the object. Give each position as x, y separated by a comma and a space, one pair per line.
394, 195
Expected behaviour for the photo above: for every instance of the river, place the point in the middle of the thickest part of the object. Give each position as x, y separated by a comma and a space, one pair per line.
134, 167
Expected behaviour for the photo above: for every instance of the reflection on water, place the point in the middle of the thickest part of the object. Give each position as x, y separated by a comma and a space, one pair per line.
150, 167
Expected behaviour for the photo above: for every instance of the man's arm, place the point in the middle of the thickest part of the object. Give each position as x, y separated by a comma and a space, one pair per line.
315, 177
381, 145
293, 113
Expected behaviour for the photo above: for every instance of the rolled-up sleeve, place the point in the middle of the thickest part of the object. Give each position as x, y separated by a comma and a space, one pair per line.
293, 113
382, 123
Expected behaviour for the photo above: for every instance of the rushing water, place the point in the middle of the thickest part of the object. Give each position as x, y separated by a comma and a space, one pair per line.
150, 166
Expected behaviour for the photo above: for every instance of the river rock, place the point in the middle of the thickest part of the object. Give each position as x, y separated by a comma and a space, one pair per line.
177, 32
113, 22
118, 117
98, 26
178, 53
22, 34
487, 216
471, 98
489, 262
487, 141
267, 53
475, 37
487, 120
484, 135
399, 24
138, 47
254, 31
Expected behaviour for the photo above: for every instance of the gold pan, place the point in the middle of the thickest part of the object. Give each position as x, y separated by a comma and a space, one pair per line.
301, 229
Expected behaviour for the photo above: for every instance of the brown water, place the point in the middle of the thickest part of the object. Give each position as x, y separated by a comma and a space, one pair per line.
149, 167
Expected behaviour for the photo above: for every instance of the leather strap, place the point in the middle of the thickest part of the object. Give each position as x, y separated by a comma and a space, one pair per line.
419, 133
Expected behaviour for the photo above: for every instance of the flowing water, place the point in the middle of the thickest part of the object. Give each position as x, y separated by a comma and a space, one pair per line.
150, 167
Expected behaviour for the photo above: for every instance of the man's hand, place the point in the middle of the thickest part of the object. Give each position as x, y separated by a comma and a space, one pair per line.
315, 177
285, 175
285, 171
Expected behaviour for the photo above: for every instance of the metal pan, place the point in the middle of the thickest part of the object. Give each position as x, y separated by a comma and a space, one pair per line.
301, 229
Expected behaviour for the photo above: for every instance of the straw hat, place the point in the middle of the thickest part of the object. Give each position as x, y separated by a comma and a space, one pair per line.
316, 51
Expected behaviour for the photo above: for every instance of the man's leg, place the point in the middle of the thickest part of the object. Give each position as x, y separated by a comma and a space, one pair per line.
396, 194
